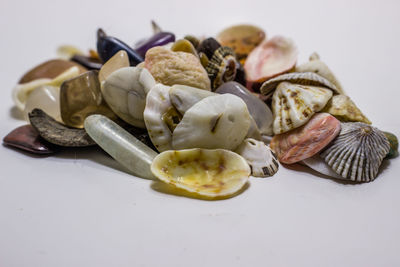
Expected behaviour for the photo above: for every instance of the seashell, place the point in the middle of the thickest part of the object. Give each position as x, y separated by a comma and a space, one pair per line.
125, 92
207, 173
293, 105
344, 109
317, 66
184, 45
118, 61
242, 39
157, 104
306, 141
220, 121
357, 152
208, 47
121, 145
259, 156
271, 58
46, 98
108, 46
307, 78
319, 165
21, 92
193, 39
67, 51
394, 145
222, 66
169, 68
253, 132
50, 70
88, 62
27, 138
257, 108
57, 133
184, 97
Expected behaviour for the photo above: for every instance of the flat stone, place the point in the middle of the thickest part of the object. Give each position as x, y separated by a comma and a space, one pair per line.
28, 139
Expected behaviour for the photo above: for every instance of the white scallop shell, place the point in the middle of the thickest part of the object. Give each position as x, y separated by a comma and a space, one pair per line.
259, 156
157, 104
220, 121
357, 152
293, 105
125, 92
209, 173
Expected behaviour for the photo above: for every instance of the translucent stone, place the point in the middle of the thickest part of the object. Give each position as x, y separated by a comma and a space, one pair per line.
47, 98
81, 97
118, 61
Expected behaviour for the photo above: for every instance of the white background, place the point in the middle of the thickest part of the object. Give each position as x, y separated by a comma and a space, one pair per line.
79, 208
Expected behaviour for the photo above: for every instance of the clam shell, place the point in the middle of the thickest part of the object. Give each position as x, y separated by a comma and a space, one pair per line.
357, 152
220, 121
293, 105
317, 66
208, 173
306, 78
343, 108
259, 156
157, 104
222, 66
271, 58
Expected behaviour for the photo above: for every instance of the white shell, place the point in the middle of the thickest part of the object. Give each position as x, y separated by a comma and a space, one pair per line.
125, 92
208, 173
22, 91
157, 104
357, 152
319, 165
259, 156
220, 121
293, 105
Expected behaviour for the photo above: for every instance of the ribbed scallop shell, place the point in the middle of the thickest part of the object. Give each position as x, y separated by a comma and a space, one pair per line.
357, 152
303, 78
222, 66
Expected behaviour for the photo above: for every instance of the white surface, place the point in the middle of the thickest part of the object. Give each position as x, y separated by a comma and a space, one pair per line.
79, 209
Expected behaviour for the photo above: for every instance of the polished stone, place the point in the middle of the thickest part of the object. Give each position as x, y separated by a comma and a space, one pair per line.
118, 61
47, 98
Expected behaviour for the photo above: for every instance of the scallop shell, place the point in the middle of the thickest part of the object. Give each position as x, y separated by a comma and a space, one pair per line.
220, 121
293, 105
305, 78
357, 152
394, 145
157, 104
208, 173
259, 156
271, 58
317, 66
343, 108
222, 66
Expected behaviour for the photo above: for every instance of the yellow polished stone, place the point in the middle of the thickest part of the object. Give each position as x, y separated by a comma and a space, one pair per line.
118, 61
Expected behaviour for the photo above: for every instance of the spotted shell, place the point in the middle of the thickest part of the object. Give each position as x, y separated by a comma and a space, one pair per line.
303, 78
357, 152
222, 66
343, 108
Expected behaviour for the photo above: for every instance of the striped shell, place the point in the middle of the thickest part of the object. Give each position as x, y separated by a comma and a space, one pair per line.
293, 105
222, 66
357, 152
304, 78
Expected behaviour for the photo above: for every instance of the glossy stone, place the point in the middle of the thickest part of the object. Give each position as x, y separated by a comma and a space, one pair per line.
47, 98
208, 47
49, 70
108, 46
90, 63
122, 146
257, 108
57, 133
158, 39
118, 61
184, 45
27, 138
81, 97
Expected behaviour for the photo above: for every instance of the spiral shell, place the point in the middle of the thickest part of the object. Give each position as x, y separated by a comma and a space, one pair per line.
357, 152
222, 66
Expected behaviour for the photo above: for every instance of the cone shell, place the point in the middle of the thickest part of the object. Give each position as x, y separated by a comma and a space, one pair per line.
259, 156
357, 152
306, 141
208, 173
343, 108
293, 105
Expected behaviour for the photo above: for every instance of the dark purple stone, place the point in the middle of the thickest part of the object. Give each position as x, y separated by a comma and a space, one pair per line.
27, 138
158, 39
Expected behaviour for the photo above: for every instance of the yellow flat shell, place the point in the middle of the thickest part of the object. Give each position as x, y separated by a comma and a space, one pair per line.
207, 172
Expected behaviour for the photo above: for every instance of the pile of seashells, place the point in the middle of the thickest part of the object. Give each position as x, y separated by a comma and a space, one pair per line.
202, 115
